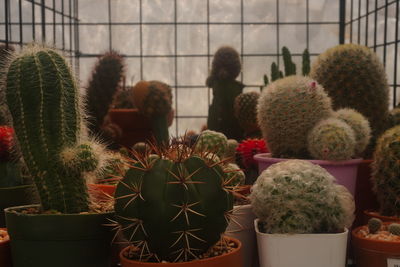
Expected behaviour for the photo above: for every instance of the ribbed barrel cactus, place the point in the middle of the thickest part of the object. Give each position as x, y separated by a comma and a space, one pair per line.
386, 172
173, 206
226, 66
45, 106
287, 110
354, 77
296, 196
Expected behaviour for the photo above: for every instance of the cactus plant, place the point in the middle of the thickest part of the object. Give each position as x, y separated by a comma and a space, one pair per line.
192, 203
103, 85
374, 224
45, 105
287, 110
385, 172
354, 77
212, 141
154, 100
331, 139
235, 176
394, 228
246, 113
296, 196
289, 66
360, 126
247, 149
231, 146
394, 117
226, 67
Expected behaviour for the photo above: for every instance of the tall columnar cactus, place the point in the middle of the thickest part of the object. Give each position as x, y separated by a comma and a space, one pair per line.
154, 100
226, 67
354, 77
289, 66
385, 172
212, 141
287, 110
297, 196
331, 139
360, 126
246, 113
173, 207
45, 105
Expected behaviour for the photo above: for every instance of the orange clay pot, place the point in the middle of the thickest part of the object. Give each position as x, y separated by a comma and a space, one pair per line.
5, 253
373, 253
373, 214
231, 259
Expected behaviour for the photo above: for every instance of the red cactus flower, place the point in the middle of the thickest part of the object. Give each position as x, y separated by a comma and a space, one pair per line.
248, 148
6, 142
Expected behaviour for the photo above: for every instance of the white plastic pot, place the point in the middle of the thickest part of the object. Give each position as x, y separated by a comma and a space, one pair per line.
241, 227
308, 250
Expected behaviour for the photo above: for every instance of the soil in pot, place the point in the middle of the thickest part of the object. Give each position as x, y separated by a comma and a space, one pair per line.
62, 240
5, 252
375, 250
218, 256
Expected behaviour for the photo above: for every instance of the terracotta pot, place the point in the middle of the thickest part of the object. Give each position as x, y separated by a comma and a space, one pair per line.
135, 127
373, 214
374, 253
5, 253
232, 259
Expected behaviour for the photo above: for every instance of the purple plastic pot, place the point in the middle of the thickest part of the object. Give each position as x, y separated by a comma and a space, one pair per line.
345, 171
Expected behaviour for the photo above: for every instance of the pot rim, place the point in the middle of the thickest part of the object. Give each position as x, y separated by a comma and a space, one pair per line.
234, 251
345, 232
16, 187
378, 215
264, 156
16, 208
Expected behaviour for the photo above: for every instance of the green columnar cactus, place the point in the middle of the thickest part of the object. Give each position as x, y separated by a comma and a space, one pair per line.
103, 85
290, 67
246, 112
287, 110
297, 196
154, 100
44, 102
394, 228
226, 67
385, 172
354, 77
306, 63
360, 126
331, 139
374, 224
212, 141
175, 207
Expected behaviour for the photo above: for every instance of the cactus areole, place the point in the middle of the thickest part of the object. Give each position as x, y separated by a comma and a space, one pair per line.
174, 206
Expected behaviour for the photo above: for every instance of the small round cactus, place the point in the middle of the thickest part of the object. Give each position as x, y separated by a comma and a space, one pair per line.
287, 110
246, 111
394, 228
212, 141
374, 224
296, 196
235, 175
230, 152
331, 139
360, 126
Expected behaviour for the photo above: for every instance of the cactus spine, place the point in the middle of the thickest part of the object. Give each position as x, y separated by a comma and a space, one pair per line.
173, 207
44, 103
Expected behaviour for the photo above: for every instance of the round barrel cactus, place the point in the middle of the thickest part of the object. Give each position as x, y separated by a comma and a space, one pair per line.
212, 141
287, 110
174, 206
385, 172
296, 196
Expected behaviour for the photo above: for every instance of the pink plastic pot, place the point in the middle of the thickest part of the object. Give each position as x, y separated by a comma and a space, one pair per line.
345, 172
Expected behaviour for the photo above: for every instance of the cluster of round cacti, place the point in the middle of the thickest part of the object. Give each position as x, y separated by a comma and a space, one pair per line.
173, 206
6, 142
296, 196
296, 117
246, 112
247, 149
375, 225
354, 77
385, 172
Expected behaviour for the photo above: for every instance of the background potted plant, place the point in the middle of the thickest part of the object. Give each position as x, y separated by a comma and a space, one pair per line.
5, 251
172, 207
302, 214
297, 120
44, 103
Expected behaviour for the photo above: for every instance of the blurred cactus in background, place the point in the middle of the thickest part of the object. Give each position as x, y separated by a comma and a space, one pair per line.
246, 113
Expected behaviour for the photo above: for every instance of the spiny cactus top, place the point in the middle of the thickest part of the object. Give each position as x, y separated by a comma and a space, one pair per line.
296, 196
173, 206
287, 110
354, 77
386, 172
45, 107
212, 141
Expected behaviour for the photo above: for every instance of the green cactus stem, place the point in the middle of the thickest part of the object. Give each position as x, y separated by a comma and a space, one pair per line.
374, 225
